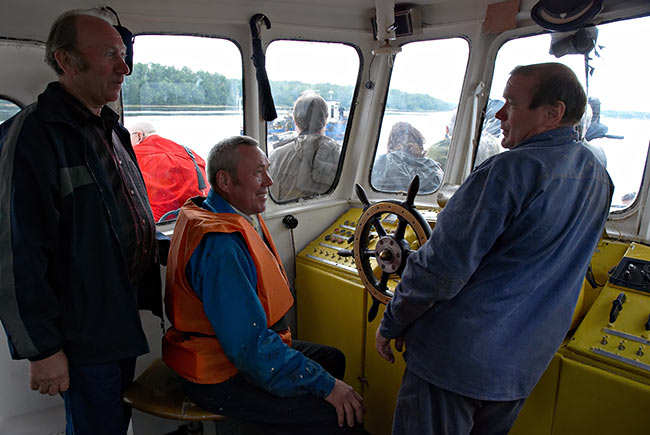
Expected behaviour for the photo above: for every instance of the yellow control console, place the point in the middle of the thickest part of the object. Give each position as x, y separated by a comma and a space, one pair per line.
597, 383
599, 380
332, 307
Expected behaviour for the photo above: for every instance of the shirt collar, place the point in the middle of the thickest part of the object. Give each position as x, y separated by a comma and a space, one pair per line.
80, 113
217, 204
556, 136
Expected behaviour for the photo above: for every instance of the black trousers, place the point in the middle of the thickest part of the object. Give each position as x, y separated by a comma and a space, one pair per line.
237, 399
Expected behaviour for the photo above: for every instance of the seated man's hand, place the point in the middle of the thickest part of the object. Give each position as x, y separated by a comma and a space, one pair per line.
348, 403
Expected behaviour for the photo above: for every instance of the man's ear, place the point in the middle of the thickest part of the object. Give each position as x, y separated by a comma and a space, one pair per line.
65, 61
555, 112
224, 181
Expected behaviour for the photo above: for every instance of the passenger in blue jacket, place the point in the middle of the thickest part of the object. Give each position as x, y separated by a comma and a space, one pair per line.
485, 303
81, 255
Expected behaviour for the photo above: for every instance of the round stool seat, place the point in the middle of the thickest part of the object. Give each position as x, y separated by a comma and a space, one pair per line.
159, 391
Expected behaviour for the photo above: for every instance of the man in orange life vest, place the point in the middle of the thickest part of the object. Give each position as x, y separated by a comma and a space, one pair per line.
226, 297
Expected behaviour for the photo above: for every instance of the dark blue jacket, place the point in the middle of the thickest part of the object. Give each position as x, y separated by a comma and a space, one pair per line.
64, 282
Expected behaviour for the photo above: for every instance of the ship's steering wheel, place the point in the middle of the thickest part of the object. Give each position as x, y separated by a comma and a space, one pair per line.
392, 249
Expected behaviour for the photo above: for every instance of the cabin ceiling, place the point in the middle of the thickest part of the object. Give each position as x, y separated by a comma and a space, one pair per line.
30, 19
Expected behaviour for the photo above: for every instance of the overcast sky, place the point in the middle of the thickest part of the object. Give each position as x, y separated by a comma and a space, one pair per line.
433, 67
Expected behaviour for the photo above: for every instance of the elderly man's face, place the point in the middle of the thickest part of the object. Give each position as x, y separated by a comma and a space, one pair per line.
99, 80
518, 122
248, 192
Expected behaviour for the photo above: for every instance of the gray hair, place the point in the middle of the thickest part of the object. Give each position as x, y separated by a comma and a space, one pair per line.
145, 127
556, 82
224, 157
63, 36
310, 112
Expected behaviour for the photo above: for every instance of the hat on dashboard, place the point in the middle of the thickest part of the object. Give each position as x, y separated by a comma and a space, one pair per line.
565, 15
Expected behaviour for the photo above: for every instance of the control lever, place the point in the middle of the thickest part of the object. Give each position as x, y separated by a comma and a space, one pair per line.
346, 252
647, 324
617, 307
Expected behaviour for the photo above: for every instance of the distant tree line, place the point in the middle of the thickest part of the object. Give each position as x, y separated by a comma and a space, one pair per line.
152, 84
158, 85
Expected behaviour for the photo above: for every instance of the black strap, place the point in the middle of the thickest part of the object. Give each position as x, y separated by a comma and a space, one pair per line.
199, 174
278, 327
189, 335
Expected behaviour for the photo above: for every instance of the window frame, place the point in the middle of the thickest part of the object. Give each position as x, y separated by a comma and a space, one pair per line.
384, 105
348, 127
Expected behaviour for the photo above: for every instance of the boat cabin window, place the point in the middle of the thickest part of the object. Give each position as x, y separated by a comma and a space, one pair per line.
188, 90
7, 109
614, 70
419, 114
313, 86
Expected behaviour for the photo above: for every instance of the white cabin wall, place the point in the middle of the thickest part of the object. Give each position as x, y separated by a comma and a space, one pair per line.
16, 397
24, 73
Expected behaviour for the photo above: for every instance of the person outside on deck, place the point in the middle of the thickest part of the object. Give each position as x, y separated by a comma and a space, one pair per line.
227, 296
81, 255
485, 303
172, 172
393, 171
305, 166
488, 142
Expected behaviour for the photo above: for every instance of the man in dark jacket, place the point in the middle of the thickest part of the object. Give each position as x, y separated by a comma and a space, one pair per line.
79, 254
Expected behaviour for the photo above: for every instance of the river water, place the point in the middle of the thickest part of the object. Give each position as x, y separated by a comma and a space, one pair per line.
625, 158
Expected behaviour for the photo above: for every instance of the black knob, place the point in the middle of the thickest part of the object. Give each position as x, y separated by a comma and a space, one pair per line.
617, 306
647, 324
290, 221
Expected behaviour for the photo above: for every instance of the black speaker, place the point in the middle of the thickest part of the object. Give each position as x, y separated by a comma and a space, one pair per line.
407, 22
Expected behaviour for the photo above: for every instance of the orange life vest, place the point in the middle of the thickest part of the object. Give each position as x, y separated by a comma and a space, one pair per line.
190, 346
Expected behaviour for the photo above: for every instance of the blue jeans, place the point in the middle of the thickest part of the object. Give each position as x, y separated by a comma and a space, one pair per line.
93, 403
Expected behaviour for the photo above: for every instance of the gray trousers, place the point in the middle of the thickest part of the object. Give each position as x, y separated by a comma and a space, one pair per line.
425, 409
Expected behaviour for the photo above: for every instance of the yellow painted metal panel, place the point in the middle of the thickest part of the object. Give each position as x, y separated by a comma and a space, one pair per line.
331, 311
383, 382
624, 343
595, 401
536, 417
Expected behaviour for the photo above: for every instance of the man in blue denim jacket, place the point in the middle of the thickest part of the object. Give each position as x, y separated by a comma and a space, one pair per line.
486, 302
